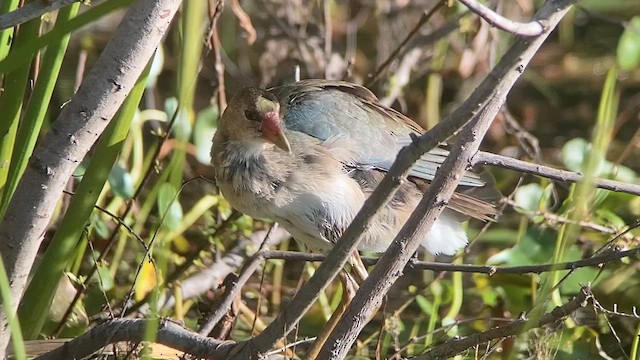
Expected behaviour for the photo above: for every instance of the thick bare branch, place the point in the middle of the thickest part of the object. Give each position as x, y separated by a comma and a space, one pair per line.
81, 122
531, 28
133, 330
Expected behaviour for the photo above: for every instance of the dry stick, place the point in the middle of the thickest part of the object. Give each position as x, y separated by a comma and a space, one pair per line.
247, 270
477, 269
82, 120
390, 265
423, 20
216, 46
455, 346
169, 333
532, 28
484, 158
30, 11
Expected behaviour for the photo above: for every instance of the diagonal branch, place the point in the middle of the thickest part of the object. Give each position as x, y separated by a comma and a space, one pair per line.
532, 28
30, 11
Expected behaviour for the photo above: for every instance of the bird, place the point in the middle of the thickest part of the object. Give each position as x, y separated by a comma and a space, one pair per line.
309, 153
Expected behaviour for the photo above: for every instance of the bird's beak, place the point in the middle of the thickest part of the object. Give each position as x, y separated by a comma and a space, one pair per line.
277, 138
271, 128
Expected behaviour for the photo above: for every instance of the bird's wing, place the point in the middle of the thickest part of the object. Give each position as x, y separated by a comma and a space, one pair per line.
328, 109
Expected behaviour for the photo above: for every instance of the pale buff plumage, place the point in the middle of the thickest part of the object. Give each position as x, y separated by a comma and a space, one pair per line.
314, 187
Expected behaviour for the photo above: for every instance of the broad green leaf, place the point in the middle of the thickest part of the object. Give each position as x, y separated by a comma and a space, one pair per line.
121, 182
104, 278
168, 206
574, 153
528, 196
628, 55
182, 125
203, 131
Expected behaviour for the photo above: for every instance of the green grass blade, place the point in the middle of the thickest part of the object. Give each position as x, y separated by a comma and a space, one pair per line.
582, 194
6, 34
15, 84
37, 106
16, 58
14, 326
40, 292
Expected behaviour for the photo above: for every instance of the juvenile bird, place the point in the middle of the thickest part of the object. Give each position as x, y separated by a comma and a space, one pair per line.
308, 154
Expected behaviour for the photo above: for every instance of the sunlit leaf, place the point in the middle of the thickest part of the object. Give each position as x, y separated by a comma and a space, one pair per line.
628, 55
146, 280
104, 278
182, 125
574, 153
203, 131
121, 182
169, 207
528, 196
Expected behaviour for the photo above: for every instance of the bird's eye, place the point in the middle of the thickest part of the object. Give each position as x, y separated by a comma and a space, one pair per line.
252, 115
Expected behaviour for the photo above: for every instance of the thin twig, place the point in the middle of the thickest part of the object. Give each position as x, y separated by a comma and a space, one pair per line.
188, 263
249, 268
457, 345
423, 20
32, 10
605, 257
532, 28
216, 46
147, 254
244, 21
485, 158
119, 221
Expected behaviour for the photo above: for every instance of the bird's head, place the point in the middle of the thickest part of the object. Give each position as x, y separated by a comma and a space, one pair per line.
255, 113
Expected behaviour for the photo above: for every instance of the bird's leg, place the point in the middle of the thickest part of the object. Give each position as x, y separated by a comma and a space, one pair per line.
349, 287
359, 270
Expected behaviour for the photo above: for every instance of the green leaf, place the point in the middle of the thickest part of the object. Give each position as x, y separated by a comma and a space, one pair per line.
574, 153
168, 206
105, 280
528, 196
203, 131
121, 182
182, 125
425, 305
535, 247
156, 68
100, 227
628, 55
